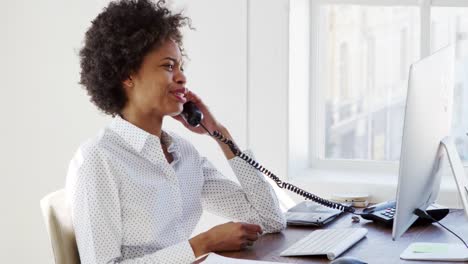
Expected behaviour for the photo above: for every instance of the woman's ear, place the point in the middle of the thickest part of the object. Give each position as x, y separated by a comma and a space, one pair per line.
128, 83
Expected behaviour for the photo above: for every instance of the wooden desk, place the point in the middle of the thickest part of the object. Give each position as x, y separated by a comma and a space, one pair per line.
378, 247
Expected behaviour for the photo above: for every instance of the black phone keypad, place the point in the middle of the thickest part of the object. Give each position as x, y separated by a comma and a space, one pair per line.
388, 213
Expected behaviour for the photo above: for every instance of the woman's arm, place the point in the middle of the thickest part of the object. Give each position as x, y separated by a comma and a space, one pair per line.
254, 201
255, 195
224, 147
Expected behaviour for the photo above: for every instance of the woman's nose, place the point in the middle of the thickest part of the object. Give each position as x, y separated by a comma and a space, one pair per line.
180, 77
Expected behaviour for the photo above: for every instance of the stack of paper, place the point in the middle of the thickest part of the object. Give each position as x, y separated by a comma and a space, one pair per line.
217, 259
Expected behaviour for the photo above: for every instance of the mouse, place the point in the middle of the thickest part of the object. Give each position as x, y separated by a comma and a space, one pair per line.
347, 260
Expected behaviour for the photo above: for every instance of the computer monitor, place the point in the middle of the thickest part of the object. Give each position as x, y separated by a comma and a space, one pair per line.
427, 122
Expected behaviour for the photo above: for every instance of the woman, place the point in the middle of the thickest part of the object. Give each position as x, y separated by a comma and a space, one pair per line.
136, 191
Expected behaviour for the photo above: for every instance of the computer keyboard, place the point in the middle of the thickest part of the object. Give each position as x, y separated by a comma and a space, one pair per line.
330, 242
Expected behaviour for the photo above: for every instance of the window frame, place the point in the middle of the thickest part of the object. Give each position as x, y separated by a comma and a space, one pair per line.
316, 146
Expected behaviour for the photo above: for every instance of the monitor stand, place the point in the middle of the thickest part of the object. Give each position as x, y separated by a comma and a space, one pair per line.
445, 251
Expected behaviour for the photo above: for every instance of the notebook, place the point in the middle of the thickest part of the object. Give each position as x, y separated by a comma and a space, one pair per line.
309, 213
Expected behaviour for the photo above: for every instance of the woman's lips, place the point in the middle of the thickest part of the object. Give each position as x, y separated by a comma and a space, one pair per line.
179, 94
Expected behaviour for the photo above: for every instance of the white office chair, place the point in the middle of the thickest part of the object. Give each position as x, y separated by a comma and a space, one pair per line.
59, 226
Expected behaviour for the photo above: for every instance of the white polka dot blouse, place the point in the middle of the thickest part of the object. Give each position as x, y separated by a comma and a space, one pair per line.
129, 205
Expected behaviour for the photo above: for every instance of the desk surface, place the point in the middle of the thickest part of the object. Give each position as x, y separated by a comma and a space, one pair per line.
377, 247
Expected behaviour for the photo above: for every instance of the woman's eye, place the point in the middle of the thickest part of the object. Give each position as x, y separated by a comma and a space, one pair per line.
169, 66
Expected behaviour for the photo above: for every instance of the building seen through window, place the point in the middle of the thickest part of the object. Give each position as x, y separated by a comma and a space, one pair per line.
367, 52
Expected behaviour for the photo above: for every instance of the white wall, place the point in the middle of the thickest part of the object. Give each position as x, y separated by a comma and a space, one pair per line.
46, 114
268, 82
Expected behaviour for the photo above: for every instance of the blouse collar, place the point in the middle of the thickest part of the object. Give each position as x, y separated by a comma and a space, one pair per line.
137, 138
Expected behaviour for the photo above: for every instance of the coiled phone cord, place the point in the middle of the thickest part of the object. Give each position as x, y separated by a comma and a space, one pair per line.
276, 179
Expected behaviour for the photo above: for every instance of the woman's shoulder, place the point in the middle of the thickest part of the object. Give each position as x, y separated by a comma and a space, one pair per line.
90, 163
92, 147
101, 146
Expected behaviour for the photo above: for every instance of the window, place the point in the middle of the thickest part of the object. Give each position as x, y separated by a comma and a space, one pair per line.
360, 58
448, 25
359, 108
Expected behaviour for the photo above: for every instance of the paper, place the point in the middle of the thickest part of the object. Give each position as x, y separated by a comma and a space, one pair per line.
217, 259
429, 248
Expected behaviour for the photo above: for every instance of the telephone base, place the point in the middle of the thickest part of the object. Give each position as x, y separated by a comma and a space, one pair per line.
383, 213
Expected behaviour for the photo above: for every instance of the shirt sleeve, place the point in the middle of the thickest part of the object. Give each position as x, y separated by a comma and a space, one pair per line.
93, 196
253, 201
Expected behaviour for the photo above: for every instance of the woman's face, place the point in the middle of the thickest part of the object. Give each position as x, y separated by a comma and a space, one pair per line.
157, 89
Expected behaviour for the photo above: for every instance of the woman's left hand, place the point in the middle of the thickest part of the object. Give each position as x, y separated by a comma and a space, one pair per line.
208, 119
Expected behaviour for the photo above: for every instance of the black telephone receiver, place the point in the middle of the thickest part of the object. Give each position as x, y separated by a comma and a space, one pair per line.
193, 116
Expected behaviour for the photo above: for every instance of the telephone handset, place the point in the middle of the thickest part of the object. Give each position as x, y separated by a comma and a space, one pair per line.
193, 116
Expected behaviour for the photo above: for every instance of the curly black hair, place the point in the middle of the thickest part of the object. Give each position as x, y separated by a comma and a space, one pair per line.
116, 43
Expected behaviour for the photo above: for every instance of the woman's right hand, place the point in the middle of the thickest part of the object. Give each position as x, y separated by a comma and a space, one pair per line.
226, 237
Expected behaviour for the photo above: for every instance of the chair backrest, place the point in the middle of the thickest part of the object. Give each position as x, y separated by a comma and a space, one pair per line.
57, 217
